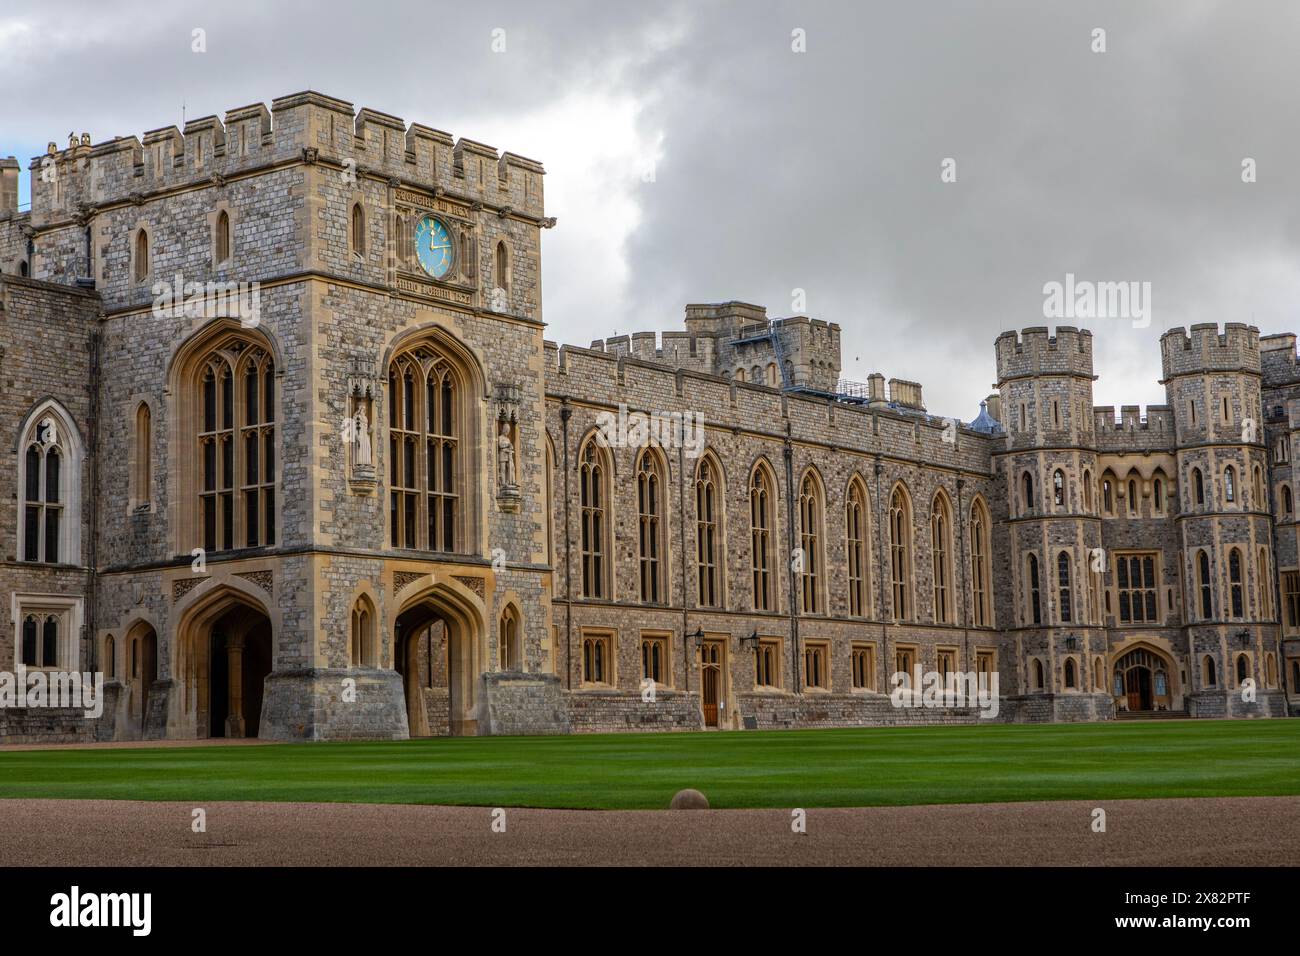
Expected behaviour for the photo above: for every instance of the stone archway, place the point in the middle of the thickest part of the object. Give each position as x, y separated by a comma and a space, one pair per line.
139, 673
225, 651
436, 649
1143, 680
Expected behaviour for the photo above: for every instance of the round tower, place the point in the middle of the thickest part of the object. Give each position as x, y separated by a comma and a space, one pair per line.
1050, 600
1212, 380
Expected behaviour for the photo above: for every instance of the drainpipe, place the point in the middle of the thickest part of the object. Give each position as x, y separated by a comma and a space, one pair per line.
92, 451
789, 538
681, 527
880, 584
965, 593
565, 414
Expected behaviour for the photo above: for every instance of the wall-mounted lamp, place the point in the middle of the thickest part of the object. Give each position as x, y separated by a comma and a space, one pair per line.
751, 639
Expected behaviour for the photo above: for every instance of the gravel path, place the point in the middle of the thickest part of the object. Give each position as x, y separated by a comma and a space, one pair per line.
1253, 831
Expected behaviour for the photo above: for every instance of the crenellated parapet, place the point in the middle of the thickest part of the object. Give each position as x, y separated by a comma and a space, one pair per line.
1206, 349
304, 126
1035, 351
1134, 429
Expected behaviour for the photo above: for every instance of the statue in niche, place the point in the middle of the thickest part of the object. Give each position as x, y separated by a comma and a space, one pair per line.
505, 458
361, 425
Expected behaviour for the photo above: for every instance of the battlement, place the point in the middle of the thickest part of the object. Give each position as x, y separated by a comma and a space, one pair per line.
1035, 351
305, 126
1206, 349
1278, 359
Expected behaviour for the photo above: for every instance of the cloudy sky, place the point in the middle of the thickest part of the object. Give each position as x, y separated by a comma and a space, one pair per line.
693, 155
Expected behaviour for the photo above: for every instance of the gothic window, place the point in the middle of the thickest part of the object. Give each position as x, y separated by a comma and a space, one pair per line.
1035, 595
650, 525
1132, 497
855, 522
981, 591
1157, 496
1203, 582
1198, 486
1027, 492
593, 474
1243, 668
236, 446
1063, 587
654, 659
358, 231
900, 553
47, 481
1234, 582
361, 647
1039, 678
427, 474
597, 659
1070, 679
1265, 586
1257, 488
222, 239
1058, 488
142, 458
707, 534
762, 530
1229, 484
941, 555
1209, 671
1135, 582
110, 658
1107, 496
810, 538
1287, 505
141, 257
1087, 490
501, 267
508, 641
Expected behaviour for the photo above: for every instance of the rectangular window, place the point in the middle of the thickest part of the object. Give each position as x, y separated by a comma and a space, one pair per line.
946, 661
1291, 599
767, 663
1135, 585
654, 659
598, 658
863, 665
816, 666
984, 662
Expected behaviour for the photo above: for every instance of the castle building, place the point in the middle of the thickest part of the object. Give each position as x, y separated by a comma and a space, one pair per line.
290, 457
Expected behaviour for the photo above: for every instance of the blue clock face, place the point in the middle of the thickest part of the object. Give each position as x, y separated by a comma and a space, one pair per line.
433, 246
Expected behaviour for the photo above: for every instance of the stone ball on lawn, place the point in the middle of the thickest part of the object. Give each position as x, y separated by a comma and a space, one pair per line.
689, 800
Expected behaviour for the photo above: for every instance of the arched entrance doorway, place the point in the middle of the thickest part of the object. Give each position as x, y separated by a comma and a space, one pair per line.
435, 650
141, 671
1141, 681
225, 647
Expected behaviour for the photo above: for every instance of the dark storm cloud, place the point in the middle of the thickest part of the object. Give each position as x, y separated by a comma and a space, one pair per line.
818, 170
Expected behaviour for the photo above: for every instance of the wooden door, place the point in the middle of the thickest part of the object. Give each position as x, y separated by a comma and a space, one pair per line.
710, 680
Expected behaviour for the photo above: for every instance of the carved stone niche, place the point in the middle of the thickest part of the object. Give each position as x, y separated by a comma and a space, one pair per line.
505, 445
359, 430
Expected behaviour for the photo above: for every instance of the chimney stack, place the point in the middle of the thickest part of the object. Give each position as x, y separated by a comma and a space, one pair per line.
9, 184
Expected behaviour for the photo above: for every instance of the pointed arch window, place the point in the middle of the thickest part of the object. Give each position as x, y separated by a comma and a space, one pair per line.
358, 231
810, 538
222, 238
650, 525
1071, 681
1087, 490
1203, 582
855, 524
1058, 488
361, 647
508, 641
1063, 589
141, 255
900, 553
1035, 595
1234, 583
1027, 491
707, 534
981, 599
1198, 486
761, 538
1265, 586
142, 458
236, 445
593, 478
426, 470
501, 267
941, 556
1257, 488
1107, 496
1157, 496
1287, 504
1229, 484
46, 480
1132, 497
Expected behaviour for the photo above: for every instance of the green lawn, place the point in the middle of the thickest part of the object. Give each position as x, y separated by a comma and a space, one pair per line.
813, 768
